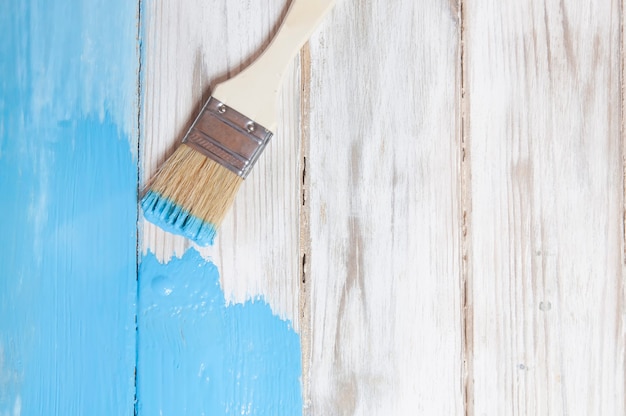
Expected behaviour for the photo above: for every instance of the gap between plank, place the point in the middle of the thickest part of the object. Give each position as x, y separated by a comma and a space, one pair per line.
138, 228
304, 306
622, 140
466, 210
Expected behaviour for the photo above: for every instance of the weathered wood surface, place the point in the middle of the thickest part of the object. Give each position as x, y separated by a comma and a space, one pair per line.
383, 168
545, 231
454, 242
440, 213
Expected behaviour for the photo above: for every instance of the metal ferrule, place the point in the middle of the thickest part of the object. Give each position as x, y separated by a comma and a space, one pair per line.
227, 137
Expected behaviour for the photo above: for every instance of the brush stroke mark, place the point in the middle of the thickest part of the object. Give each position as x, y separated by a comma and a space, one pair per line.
68, 177
198, 356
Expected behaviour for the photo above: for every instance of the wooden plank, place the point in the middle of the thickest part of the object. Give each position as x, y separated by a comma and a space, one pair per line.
203, 350
189, 47
383, 194
546, 230
68, 210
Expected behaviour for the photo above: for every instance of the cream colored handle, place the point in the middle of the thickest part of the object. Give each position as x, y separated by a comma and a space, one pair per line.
253, 92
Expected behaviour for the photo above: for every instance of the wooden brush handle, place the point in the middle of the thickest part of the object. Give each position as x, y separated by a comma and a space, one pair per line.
253, 92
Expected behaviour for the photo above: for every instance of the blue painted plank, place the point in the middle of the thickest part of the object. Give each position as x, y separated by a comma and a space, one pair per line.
197, 356
68, 177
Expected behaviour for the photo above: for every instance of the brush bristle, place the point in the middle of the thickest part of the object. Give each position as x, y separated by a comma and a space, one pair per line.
190, 195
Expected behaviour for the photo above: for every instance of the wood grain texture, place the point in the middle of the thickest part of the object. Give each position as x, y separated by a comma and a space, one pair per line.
383, 168
452, 224
188, 47
546, 232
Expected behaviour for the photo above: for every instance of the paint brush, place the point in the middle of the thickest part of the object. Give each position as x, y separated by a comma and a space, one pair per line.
193, 190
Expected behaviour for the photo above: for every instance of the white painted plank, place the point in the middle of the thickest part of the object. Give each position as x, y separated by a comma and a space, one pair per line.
543, 85
384, 200
190, 45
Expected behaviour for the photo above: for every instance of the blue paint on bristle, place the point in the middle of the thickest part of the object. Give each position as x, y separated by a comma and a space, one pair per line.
166, 214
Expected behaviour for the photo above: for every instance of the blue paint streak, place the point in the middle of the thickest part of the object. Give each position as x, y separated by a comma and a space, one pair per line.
198, 356
166, 214
68, 179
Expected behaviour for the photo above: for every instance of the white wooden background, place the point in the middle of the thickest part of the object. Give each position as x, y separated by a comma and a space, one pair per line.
441, 211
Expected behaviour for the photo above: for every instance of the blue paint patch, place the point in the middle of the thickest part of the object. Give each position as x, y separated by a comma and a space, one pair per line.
172, 218
68, 210
67, 282
198, 356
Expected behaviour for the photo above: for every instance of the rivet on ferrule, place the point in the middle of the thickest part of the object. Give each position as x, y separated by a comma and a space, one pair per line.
227, 137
